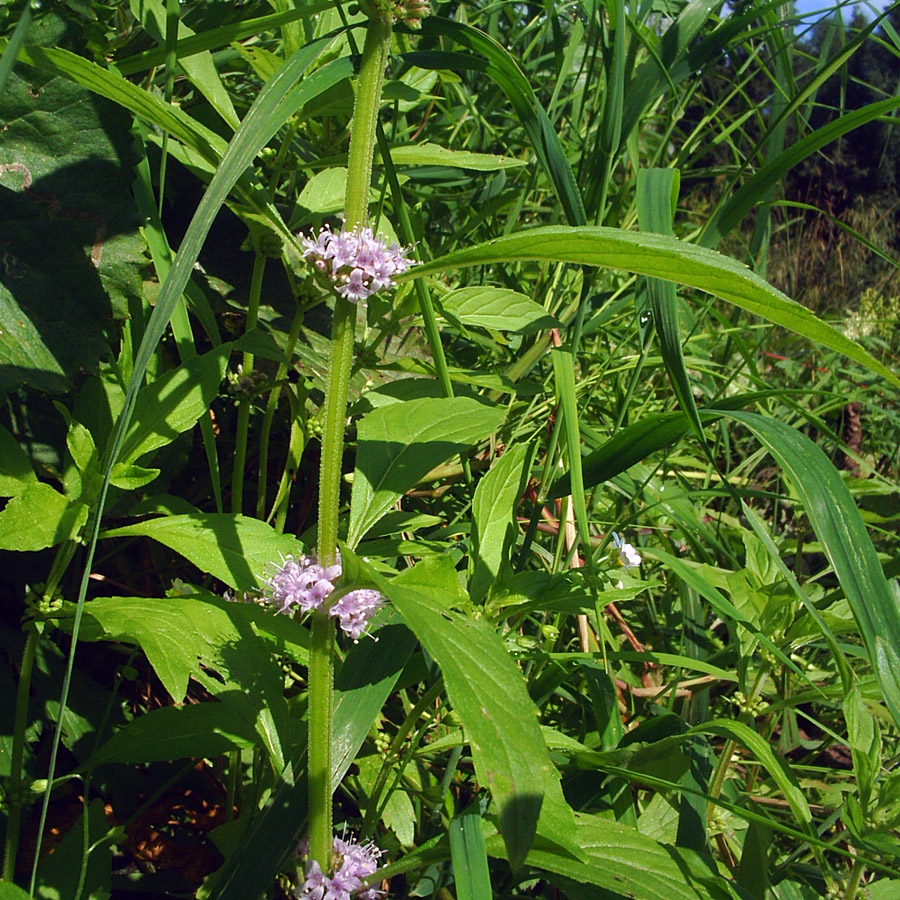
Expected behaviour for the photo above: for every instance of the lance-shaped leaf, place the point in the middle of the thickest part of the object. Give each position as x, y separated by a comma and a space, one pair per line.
499, 717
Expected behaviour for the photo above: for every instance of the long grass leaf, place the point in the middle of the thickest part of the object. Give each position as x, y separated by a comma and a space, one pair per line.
504, 70
660, 257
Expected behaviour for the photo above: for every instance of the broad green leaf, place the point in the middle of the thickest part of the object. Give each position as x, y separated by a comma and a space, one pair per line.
489, 694
39, 517
183, 637
235, 549
844, 540
493, 514
401, 443
323, 193
173, 402
9, 891
469, 856
497, 308
178, 732
660, 257
71, 248
16, 472
621, 862
130, 477
428, 154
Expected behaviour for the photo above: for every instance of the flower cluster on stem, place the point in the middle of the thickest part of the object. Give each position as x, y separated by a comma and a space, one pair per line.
353, 863
355, 261
304, 584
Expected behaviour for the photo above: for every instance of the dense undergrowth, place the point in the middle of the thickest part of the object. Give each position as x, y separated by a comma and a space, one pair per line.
631, 509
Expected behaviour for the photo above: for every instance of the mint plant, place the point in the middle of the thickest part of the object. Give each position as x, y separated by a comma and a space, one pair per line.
417, 481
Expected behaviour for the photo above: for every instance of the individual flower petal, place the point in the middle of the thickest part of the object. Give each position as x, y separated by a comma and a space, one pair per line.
629, 558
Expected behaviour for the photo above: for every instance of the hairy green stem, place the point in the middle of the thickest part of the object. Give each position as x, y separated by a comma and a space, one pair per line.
14, 797
243, 422
321, 702
321, 651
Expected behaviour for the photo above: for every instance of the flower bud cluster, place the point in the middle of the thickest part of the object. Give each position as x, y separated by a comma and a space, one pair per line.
356, 262
304, 584
353, 863
409, 12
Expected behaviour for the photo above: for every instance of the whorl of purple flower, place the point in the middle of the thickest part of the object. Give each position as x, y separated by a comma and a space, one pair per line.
305, 584
357, 262
353, 863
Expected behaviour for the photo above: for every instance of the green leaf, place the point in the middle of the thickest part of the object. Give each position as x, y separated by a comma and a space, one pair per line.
488, 692
778, 769
660, 257
71, 248
185, 637
235, 549
753, 872
493, 515
361, 686
16, 472
130, 477
469, 856
622, 862
173, 402
428, 154
40, 517
844, 540
196, 730
9, 891
497, 308
400, 444
657, 196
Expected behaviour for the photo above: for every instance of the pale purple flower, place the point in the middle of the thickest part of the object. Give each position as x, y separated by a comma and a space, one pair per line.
300, 583
357, 262
353, 863
629, 558
355, 609
305, 584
